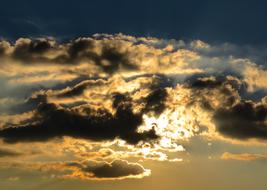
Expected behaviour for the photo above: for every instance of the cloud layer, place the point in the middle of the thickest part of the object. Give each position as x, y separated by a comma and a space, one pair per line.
140, 98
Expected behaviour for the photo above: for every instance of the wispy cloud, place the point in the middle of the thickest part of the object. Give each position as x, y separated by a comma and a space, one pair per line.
243, 156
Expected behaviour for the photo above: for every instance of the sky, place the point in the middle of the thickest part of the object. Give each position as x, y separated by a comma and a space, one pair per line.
241, 22
133, 95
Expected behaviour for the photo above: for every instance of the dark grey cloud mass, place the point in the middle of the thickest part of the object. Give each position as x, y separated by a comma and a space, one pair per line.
114, 170
235, 118
106, 56
99, 104
51, 120
244, 120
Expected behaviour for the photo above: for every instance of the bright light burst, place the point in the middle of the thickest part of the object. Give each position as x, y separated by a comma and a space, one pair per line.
171, 126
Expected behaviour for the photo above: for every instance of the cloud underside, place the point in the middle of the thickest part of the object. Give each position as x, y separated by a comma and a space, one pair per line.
117, 169
86, 170
146, 93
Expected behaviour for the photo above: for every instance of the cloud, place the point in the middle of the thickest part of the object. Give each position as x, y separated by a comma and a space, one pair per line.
119, 118
27, 50
143, 95
99, 55
243, 156
51, 121
243, 120
103, 109
93, 109
86, 170
117, 169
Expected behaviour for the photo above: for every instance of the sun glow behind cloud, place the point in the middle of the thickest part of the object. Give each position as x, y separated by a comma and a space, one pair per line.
115, 100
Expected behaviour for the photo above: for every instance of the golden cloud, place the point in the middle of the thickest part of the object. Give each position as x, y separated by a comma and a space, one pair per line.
242, 156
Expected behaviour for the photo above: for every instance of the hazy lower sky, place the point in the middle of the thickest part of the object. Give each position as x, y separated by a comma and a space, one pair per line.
133, 95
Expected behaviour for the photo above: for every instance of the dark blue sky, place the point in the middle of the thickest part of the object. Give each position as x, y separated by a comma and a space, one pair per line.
241, 22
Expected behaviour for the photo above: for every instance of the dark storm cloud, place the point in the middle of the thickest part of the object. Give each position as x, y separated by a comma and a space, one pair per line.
205, 88
78, 48
244, 120
235, 117
52, 121
108, 57
56, 122
117, 169
85, 121
31, 50
116, 59
109, 60
155, 101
